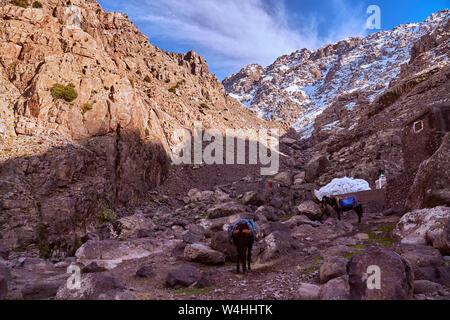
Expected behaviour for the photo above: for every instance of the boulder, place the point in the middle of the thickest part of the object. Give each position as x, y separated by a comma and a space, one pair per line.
420, 255
196, 195
426, 287
276, 245
436, 274
4, 252
221, 242
432, 180
310, 209
145, 271
425, 225
203, 254
93, 267
110, 253
307, 291
193, 237
5, 275
41, 290
335, 289
284, 179
225, 209
132, 226
396, 279
316, 167
254, 198
95, 286
183, 276
333, 268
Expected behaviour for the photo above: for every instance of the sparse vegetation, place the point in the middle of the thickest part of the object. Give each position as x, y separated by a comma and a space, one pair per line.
20, 3
385, 240
147, 79
192, 291
37, 5
205, 106
106, 214
106, 88
175, 87
86, 107
131, 82
68, 93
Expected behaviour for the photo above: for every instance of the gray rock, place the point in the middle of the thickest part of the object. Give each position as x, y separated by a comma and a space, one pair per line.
335, 289
93, 286
426, 287
310, 209
333, 268
221, 242
145, 272
439, 275
276, 245
307, 291
254, 198
92, 268
41, 290
284, 178
193, 237
224, 210
316, 167
183, 276
397, 277
203, 254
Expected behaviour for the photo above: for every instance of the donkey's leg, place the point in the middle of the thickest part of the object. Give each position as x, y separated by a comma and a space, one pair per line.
244, 260
359, 211
340, 212
238, 259
249, 256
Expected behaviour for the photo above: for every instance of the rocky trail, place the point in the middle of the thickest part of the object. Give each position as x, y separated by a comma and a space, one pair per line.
299, 255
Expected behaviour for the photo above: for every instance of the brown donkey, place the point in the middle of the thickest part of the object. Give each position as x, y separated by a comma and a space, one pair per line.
243, 240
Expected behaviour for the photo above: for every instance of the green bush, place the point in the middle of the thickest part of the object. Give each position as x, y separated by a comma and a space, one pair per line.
68, 93
20, 3
205, 106
173, 90
86, 108
37, 5
106, 214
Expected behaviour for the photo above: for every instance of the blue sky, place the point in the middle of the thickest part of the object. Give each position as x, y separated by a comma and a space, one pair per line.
231, 34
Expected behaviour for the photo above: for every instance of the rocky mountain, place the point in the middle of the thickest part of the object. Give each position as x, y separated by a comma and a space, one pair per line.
88, 107
297, 88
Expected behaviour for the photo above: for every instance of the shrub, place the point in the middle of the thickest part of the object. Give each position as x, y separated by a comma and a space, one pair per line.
86, 108
106, 214
20, 3
147, 79
205, 106
173, 90
37, 5
68, 93
132, 82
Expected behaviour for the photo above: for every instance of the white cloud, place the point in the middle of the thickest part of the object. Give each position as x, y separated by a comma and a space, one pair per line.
233, 33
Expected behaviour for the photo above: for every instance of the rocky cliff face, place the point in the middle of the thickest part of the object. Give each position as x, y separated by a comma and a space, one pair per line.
349, 101
88, 107
297, 88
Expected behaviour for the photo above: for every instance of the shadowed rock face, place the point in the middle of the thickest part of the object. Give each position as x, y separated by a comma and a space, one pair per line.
68, 161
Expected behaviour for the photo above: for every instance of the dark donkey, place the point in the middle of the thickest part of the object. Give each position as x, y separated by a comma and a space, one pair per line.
243, 240
344, 204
